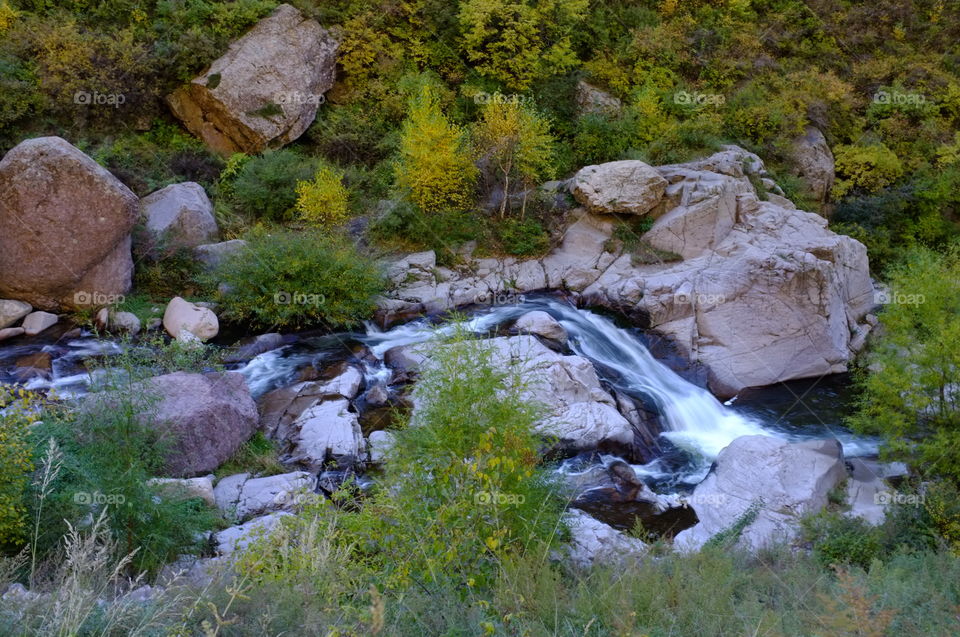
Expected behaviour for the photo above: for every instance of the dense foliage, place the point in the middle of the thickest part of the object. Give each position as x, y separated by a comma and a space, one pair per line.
297, 279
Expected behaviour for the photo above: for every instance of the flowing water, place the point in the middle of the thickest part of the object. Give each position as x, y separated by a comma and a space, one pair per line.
696, 426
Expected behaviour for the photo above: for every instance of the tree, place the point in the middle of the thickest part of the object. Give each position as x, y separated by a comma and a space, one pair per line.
516, 140
435, 168
520, 42
323, 201
911, 395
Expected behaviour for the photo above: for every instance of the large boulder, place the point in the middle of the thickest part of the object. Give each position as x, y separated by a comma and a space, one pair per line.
204, 417
628, 186
179, 215
65, 225
814, 163
265, 90
770, 481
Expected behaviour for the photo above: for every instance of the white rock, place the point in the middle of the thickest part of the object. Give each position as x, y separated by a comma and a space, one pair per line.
592, 542
10, 332
250, 497
180, 214
783, 481
183, 315
201, 487
628, 186
226, 493
380, 443
867, 493
578, 411
126, 322
542, 324
12, 311
325, 430
346, 384
36, 322
237, 538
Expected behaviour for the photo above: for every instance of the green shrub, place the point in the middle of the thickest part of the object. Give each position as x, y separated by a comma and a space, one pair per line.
443, 231
108, 451
839, 539
905, 396
462, 489
523, 237
865, 168
265, 187
165, 272
16, 463
298, 279
519, 42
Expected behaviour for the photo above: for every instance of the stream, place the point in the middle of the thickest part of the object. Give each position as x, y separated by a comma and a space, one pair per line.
694, 425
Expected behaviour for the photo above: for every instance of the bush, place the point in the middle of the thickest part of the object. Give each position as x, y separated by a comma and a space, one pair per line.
907, 395
444, 231
865, 168
523, 237
105, 453
838, 539
462, 490
519, 42
298, 279
323, 201
435, 169
16, 463
265, 187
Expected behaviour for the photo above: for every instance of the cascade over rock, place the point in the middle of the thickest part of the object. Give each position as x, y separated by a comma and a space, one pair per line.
762, 292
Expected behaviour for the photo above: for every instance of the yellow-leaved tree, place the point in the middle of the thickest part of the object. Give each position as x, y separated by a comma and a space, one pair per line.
516, 140
323, 201
435, 168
